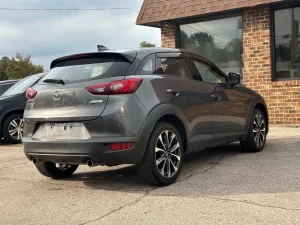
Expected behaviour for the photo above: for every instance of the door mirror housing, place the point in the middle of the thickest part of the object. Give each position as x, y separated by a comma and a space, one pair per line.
234, 78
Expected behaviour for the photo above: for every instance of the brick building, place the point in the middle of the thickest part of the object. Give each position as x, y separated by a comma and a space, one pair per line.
260, 39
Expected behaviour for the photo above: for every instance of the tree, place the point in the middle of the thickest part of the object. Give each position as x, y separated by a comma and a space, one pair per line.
19, 67
232, 51
205, 44
145, 44
186, 41
3, 65
202, 38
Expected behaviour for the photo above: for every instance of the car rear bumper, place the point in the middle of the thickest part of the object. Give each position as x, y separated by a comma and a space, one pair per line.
79, 152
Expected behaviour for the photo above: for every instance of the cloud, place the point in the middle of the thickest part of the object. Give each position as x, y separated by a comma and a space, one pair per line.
46, 35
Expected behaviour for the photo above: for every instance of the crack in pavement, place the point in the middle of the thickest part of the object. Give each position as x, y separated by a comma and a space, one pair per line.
251, 203
121, 207
206, 170
234, 200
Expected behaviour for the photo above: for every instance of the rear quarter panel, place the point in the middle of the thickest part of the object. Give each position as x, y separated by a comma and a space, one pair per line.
152, 93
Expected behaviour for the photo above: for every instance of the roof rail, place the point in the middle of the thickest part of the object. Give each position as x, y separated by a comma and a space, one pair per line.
101, 48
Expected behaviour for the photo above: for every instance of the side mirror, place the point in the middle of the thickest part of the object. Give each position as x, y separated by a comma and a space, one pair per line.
234, 78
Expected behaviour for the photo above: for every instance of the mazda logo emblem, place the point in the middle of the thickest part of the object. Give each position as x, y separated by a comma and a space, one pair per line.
57, 95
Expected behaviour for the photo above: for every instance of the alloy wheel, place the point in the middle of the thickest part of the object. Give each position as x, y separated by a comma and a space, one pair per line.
16, 128
259, 130
167, 154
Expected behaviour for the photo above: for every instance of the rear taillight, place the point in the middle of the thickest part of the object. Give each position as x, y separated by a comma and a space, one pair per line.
120, 146
30, 93
116, 87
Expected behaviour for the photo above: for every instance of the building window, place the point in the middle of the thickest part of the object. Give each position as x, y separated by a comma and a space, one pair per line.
287, 43
220, 40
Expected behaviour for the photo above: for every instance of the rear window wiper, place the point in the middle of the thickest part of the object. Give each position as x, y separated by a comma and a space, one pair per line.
54, 81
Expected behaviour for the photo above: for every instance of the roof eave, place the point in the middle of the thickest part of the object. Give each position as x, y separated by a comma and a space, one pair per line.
158, 22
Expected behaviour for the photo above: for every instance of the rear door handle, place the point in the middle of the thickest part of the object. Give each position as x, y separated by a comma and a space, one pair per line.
173, 92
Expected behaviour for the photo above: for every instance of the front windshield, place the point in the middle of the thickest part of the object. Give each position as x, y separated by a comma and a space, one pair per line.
21, 86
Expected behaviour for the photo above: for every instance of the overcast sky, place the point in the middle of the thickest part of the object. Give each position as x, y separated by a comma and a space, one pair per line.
46, 35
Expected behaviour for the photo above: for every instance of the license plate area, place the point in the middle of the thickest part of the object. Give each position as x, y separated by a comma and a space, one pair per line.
62, 131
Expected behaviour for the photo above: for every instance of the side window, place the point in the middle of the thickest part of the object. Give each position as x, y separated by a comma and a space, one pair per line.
4, 87
174, 67
208, 74
147, 66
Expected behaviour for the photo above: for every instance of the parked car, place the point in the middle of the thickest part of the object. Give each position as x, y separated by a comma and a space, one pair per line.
6, 84
147, 107
12, 105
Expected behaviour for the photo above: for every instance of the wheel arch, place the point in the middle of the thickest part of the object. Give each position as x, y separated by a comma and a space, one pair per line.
259, 104
178, 124
166, 113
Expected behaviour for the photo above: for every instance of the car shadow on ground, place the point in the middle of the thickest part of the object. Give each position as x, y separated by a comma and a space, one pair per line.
225, 170
220, 171
127, 178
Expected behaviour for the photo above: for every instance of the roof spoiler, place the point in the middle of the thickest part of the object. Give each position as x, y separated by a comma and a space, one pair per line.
64, 59
101, 48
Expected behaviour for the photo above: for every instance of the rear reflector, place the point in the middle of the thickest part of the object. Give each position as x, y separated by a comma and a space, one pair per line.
116, 87
120, 146
30, 93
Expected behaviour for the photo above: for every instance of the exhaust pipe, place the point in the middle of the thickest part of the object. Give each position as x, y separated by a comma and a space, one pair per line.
90, 163
34, 161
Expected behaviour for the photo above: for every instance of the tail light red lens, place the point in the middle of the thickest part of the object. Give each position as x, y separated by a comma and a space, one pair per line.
116, 87
30, 93
120, 146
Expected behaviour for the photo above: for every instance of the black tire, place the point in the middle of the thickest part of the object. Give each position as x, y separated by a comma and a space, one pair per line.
148, 169
6, 125
49, 169
250, 144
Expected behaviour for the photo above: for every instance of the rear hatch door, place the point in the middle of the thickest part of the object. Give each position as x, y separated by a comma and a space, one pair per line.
63, 95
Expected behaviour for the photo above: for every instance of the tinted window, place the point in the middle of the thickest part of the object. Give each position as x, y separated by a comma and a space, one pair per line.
287, 38
218, 40
208, 74
22, 85
174, 67
147, 66
87, 69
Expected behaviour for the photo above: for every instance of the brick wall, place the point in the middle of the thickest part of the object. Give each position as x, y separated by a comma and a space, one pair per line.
283, 97
168, 37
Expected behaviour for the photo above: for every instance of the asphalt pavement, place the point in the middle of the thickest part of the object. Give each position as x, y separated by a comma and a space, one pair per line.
218, 186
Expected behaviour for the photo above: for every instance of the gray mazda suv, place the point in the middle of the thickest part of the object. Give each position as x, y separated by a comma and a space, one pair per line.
148, 107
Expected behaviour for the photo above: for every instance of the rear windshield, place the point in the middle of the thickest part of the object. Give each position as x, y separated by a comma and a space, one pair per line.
88, 69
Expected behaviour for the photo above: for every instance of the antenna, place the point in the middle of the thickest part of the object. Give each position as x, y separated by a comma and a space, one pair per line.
101, 48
